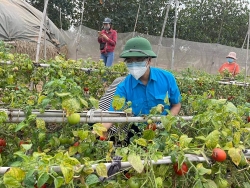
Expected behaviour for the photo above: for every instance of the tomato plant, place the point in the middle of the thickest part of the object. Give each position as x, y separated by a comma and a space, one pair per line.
183, 169
43, 186
219, 155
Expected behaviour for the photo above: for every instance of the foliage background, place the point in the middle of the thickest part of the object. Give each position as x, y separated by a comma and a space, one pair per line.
213, 21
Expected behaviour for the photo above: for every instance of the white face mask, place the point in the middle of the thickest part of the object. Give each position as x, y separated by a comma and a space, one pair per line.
137, 69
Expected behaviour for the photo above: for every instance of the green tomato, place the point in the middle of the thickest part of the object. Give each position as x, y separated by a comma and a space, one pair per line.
221, 183
74, 119
133, 183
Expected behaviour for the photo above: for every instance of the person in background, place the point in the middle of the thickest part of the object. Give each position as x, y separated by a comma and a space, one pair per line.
146, 86
107, 39
230, 66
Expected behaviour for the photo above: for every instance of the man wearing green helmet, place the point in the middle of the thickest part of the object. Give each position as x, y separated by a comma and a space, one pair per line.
146, 86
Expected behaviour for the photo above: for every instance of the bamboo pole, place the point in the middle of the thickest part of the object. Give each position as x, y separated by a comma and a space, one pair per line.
175, 22
136, 18
162, 31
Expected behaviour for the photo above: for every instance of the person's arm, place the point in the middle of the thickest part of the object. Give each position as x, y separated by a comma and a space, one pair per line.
112, 41
237, 69
100, 37
175, 109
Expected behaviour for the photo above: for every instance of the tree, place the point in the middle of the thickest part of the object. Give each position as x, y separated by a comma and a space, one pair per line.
215, 21
53, 10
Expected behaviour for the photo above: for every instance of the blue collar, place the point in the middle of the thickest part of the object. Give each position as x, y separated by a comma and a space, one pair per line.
152, 76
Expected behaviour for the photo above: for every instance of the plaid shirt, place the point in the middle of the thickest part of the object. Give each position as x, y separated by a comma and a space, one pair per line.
111, 42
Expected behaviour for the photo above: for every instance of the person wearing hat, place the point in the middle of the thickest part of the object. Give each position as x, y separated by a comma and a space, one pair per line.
146, 86
231, 66
107, 39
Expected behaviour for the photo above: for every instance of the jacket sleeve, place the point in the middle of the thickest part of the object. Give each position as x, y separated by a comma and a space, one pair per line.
112, 41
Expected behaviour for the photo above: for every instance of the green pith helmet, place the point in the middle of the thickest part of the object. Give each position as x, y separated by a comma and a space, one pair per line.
137, 47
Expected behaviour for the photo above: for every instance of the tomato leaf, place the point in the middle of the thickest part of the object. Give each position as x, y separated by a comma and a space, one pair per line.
98, 128
58, 181
235, 154
62, 94
184, 141
72, 150
85, 103
202, 170
136, 162
42, 179
159, 182
92, 179
118, 102
21, 125
212, 139
149, 134
94, 102
101, 170
14, 177
141, 142
68, 172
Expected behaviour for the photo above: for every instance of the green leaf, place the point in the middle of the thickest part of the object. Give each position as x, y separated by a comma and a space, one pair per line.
58, 181
235, 154
237, 136
94, 102
3, 117
21, 125
42, 179
201, 170
149, 134
62, 94
184, 141
101, 170
166, 100
118, 102
68, 172
156, 156
212, 139
159, 182
14, 177
26, 146
136, 162
209, 184
98, 128
85, 103
141, 142
83, 134
92, 179
72, 150
29, 178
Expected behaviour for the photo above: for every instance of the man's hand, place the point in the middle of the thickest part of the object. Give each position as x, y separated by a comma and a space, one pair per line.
104, 36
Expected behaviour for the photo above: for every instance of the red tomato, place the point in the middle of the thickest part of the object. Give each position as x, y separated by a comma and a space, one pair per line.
86, 89
22, 142
151, 126
219, 155
43, 186
128, 175
248, 119
183, 170
76, 144
103, 138
2, 142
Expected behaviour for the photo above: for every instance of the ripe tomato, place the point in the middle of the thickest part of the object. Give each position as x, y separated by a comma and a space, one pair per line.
128, 175
86, 89
2, 142
248, 119
103, 138
183, 170
151, 126
219, 155
74, 119
76, 144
